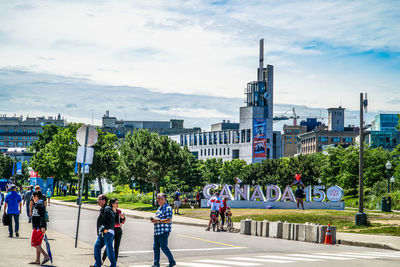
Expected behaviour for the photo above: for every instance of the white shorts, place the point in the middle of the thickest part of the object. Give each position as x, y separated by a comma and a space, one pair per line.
177, 204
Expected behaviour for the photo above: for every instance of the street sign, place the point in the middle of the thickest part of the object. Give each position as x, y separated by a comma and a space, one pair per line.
92, 135
86, 168
89, 155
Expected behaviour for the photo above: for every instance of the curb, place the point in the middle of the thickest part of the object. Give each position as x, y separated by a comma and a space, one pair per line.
365, 244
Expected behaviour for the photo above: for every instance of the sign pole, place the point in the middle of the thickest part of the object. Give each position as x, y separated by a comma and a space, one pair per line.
81, 188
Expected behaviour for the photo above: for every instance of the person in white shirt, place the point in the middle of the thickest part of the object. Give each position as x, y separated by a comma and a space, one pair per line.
215, 203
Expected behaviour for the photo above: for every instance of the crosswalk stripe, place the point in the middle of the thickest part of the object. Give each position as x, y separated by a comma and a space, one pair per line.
195, 264
288, 258
227, 263
354, 255
260, 260
382, 254
320, 257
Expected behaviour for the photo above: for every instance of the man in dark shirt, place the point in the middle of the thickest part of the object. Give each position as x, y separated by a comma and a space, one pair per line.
27, 201
43, 197
299, 194
105, 232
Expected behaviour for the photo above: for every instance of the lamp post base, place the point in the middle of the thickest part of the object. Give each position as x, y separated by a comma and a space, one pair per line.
361, 219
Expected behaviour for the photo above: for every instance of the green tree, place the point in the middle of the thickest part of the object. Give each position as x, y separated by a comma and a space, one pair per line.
211, 170
231, 169
45, 136
148, 157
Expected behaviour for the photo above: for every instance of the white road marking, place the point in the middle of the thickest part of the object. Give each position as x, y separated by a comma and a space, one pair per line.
227, 263
382, 254
259, 260
178, 250
288, 258
354, 255
195, 264
320, 257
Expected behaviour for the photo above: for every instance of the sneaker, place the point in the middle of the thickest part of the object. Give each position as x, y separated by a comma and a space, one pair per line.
172, 264
208, 229
155, 265
218, 230
30, 220
16, 234
178, 213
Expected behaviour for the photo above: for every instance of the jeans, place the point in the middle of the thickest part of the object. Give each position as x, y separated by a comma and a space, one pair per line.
27, 212
16, 221
117, 242
161, 241
107, 240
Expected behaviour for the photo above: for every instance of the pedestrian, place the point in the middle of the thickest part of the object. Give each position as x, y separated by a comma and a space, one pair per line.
1, 199
65, 190
48, 195
162, 227
12, 201
105, 232
43, 197
177, 201
39, 227
222, 211
119, 221
27, 200
299, 194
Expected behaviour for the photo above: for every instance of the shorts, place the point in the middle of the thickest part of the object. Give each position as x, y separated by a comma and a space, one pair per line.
177, 204
216, 212
37, 237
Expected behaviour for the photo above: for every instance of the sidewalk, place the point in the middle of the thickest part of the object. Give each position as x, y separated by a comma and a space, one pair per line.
19, 251
362, 240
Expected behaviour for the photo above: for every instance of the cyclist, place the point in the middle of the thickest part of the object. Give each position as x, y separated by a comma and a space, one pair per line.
216, 203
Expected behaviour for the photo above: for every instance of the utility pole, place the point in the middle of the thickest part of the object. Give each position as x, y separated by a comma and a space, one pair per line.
361, 217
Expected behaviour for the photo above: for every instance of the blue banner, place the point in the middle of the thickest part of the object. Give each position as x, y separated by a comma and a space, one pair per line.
19, 168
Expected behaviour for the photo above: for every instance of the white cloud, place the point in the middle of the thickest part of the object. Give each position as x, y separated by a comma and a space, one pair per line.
195, 47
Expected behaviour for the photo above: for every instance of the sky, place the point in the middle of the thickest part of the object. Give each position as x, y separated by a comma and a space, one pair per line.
192, 59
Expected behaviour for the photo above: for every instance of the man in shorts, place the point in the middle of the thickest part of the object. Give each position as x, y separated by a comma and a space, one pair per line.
299, 194
177, 201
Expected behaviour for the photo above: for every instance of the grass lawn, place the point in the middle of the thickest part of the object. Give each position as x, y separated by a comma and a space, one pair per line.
69, 198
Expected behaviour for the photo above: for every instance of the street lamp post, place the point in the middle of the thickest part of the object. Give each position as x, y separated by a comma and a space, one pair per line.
387, 201
319, 181
392, 181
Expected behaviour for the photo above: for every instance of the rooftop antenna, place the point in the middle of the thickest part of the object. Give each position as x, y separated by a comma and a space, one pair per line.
92, 117
261, 61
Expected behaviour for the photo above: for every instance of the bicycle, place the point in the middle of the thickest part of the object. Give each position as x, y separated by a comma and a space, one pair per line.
229, 223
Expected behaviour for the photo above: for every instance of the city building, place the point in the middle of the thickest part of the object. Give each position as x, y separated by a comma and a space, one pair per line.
336, 134
290, 138
310, 123
120, 127
383, 132
253, 138
15, 132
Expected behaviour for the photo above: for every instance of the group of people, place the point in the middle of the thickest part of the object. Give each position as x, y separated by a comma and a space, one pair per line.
218, 208
36, 204
109, 225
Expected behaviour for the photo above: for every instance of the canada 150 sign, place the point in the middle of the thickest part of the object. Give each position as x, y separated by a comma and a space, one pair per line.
273, 193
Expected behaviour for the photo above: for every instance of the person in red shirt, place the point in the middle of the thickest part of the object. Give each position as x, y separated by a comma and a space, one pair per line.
222, 211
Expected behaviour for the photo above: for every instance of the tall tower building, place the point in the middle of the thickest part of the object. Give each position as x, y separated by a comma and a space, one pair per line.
257, 115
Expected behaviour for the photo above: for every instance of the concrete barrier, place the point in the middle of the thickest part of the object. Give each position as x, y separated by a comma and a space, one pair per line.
259, 228
287, 231
322, 232
302, 233
253, 229
312, 233
275, 229
265, 228
294, 235
245, 227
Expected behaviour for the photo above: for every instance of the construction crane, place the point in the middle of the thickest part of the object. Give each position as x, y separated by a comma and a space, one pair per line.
295, 117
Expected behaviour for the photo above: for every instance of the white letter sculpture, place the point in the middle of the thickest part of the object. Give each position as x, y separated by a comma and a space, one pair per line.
245, 193
277, 191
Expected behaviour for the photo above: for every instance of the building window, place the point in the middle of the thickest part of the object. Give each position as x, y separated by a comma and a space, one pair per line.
11, 131
10, 138
20, 144
224, 151
209, 152
29, 131
243, 132
228, 150
1, 143
1, 131
216, 152
29, 143
212, 152
248, 135
201, 152
220, 151
20, 130
11, 143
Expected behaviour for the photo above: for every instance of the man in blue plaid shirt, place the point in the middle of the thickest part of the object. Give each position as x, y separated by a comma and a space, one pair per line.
162, 228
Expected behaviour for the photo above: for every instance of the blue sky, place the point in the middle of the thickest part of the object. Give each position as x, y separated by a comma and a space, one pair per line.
191, 59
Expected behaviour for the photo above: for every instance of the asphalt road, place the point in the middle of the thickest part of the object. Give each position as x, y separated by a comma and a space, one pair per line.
192, 246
